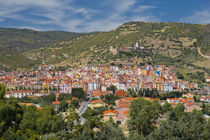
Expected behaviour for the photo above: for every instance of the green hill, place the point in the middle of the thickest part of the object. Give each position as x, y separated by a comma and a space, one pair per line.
168, 43
14, 42
162, 43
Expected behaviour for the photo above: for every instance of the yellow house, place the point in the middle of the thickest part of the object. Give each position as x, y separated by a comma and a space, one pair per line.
110, 114
141, 85
96, 103
159, 86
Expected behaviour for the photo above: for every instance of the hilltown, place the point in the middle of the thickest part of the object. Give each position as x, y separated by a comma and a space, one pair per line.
95, 81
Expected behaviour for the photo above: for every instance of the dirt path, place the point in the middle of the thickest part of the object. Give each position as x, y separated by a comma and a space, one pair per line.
205, 56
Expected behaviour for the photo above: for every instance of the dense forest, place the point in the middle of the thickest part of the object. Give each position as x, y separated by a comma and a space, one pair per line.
147, 120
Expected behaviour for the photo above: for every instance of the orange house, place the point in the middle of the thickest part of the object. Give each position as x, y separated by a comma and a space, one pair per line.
110, 114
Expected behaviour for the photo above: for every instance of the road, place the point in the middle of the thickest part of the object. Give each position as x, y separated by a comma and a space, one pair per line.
81, 110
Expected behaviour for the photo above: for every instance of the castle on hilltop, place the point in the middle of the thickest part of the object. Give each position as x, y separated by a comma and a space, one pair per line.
135, 48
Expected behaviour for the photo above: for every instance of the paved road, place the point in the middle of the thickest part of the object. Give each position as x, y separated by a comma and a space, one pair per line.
81, 110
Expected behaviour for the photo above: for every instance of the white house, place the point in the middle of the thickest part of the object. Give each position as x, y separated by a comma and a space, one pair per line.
21, 94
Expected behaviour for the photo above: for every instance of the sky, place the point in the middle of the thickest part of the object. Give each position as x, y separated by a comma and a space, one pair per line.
98, 15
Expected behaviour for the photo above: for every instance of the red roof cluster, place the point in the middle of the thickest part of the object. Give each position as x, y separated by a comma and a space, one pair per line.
120, 93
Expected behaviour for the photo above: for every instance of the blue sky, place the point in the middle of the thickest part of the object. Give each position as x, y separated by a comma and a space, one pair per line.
98, 15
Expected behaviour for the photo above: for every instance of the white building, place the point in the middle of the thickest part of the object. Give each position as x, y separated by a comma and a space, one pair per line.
65, 88
21, 94
92, 86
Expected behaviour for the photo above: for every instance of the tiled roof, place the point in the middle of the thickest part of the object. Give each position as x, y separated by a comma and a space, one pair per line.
110, 111
189, 104
97, 101
123, 105
27, 104
95, 94
126, 112
130, 98
120, 93
173, 99
56, 102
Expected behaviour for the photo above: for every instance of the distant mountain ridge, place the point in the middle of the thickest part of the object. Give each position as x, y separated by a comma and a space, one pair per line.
14, 42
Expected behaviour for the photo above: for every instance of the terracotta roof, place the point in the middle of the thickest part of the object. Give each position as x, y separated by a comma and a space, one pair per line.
172, 98
123, 102
27, 104
123, 105
110, 111
120, 93
105, 92
74, 98
206, 97
126, 112
56, 102
95, 94
183, 100
173, 104
130, 98
97, 101
38, 108
189, 104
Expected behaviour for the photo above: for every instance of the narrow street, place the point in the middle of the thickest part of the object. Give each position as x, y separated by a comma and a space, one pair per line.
81, 110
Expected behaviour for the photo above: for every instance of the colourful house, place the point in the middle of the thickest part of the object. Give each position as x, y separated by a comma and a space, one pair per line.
110, 114
189, 107
96, 103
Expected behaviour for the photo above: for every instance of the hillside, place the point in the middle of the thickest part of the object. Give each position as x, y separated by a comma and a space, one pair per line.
168, 43
14, 42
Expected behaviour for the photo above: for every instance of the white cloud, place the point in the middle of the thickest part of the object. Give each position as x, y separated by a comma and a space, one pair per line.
143, 8
66, 16
124, 5
9, 13
199, 17
116, 16
39, 3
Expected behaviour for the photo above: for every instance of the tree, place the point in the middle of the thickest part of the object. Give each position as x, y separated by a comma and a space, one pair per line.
44, 123
78, 93
10, 115
112, 88
110, 99
179, 75
74, 103
166, 107
63, 106
47, 100
64, 97
29, 118
72, 119
2, 92
205, 132
140, 93
110, 132
190, 126
88, 113
143, 114
158, 106
179, 109
49, 121
131, 93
